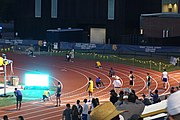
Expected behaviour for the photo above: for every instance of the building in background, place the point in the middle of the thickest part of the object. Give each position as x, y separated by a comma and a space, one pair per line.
162, 28
105, 21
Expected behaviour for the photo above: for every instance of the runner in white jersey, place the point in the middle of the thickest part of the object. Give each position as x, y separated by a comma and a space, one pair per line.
165, 78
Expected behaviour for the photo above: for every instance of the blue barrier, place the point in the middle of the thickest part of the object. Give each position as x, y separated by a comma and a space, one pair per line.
105, 47
18, 42
119, 48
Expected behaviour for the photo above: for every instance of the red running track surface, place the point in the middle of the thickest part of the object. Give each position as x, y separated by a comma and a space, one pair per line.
74, 78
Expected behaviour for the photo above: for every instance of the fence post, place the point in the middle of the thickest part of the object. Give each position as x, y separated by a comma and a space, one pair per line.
133, 61
159, 66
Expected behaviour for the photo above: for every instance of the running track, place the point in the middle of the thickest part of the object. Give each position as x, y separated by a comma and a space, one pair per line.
74, 78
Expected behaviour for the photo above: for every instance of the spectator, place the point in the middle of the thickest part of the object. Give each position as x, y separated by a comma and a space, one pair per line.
97, 99
113, 96
119, 102
20, 118
94, 103
133, 92
18, 95
67, 113
120, 98
173, 106
177, 88
105, 111
172, 90
85, 110
74, 112
5, 117
80, 109
145, 100
134, 107
111, 72
155, 96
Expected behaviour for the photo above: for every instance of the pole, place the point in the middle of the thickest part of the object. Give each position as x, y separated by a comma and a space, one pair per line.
150, 64
159, 66
4, 61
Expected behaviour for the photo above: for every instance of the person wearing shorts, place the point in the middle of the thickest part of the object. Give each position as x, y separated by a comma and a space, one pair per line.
148, 78
165, 78
131, 79
18, 95
58, 95
90, 88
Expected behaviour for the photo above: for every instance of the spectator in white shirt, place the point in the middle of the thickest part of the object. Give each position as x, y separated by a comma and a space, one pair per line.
85, 110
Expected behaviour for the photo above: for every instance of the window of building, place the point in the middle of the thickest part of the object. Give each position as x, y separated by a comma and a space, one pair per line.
37, 8
170, 6
141, 31
111, 9
53, 8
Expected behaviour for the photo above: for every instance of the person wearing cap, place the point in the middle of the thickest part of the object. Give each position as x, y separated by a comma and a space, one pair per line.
117, 85
165, 78
173, 106
105, 111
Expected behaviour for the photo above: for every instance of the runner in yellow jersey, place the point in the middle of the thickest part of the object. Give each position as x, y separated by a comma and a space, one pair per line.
46, 95
98, 64
90, 88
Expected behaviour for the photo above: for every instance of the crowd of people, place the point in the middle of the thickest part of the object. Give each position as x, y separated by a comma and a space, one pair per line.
78, 111
126, 103
5, 117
